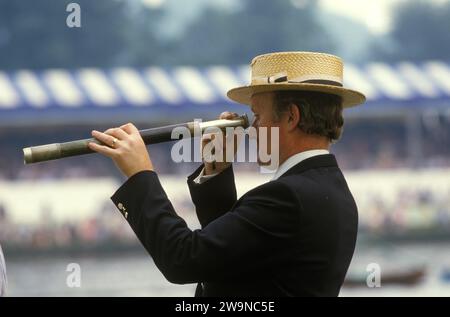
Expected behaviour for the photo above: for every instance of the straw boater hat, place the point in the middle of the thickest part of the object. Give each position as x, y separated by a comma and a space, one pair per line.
297, 71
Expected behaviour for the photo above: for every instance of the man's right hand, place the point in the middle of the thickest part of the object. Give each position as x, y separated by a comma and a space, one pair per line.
217, 167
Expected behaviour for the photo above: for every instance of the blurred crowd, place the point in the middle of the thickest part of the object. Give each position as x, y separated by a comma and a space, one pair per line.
106, 230
365, 144
412, 211
103, 228
418, 211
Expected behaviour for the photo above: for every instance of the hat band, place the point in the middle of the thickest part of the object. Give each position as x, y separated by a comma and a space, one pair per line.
283, 78
318, 81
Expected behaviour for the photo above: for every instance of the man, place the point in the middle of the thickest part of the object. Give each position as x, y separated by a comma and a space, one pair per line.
293, 236
3, 281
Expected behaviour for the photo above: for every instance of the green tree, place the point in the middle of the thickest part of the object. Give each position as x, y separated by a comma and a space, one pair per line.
259, 26
420, 32
34, 34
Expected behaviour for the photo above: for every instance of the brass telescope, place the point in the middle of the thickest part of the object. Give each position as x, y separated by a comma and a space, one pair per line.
55, 151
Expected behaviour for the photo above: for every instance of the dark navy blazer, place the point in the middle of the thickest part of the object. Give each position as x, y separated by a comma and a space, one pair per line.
294, 236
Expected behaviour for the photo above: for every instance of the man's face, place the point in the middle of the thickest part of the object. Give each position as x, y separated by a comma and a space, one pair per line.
262, 108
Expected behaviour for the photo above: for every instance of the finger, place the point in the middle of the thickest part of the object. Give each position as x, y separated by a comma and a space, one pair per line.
118, 133
207, 137
103, 137
228, 115
129, 128
102, 149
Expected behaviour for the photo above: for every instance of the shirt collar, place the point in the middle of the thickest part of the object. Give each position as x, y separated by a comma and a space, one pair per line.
295, 159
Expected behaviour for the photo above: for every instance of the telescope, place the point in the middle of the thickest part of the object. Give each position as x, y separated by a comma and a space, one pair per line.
55, 151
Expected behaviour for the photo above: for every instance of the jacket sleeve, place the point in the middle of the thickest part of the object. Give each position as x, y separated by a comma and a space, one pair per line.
258, 231
214, 197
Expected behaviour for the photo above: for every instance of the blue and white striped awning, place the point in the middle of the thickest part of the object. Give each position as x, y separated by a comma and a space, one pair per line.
118, 87
402, 84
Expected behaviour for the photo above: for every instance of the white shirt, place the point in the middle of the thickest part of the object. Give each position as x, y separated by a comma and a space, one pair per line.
283, 168
295, 159
3, 280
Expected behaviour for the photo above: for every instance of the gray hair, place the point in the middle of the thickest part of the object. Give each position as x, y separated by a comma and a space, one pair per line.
320, 113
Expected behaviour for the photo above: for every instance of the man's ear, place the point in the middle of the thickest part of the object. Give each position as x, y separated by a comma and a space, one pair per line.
294, 117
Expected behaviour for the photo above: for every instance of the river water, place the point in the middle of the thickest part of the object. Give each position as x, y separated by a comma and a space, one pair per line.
136, 274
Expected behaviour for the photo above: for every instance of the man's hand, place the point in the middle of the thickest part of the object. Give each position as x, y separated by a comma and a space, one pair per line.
126, 148
217, 167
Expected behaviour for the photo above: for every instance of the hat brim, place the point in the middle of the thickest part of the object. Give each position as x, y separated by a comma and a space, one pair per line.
243, 95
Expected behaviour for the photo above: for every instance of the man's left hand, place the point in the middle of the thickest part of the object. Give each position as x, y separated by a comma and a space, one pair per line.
125, 147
